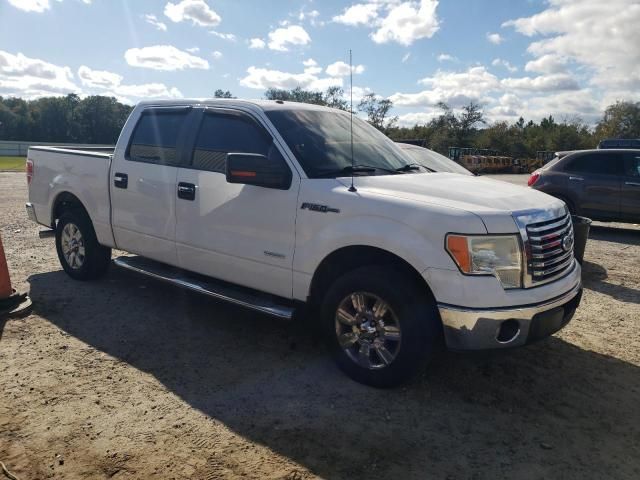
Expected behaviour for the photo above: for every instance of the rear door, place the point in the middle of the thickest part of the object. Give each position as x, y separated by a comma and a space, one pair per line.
630, 188
242, 234
594, 179
143, 184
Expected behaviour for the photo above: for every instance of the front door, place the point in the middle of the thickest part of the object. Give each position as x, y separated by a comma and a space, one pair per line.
242, 234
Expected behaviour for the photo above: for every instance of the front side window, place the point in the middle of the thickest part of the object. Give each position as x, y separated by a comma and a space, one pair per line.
321, 142
596, 163
223, 133
155, 138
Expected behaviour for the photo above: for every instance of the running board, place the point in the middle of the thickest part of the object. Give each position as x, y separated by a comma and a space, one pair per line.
227, 292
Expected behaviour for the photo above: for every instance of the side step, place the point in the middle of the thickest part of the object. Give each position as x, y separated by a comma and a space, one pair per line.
221, 290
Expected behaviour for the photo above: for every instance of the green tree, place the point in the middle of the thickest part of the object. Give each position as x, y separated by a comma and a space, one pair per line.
377, 110
621, 120
219, 93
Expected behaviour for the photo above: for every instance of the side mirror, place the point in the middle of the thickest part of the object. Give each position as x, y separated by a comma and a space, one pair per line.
258, 170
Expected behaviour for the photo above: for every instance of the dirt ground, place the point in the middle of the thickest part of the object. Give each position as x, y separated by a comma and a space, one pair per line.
129, 378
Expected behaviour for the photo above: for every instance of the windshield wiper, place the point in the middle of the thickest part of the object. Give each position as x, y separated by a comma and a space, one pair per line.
410, 167
350, 170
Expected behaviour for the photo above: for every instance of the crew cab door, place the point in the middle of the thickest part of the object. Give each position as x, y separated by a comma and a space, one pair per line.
630, 194
143, 184
243, 234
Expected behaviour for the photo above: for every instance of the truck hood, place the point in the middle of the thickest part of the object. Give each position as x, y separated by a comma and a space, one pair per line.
493, 200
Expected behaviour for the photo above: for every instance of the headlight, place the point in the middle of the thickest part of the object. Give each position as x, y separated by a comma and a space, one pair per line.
488, 255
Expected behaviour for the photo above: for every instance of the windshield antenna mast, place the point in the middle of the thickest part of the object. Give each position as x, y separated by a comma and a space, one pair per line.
352, 188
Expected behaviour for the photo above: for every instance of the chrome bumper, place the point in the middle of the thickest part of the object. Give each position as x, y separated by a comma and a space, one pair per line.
480, 329
31, 212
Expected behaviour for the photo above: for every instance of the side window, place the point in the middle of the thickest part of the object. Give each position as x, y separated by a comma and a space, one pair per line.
228, 133
596, 163
632, 165
155, 138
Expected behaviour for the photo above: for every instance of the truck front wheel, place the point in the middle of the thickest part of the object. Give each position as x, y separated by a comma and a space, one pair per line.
380, 325
79, 252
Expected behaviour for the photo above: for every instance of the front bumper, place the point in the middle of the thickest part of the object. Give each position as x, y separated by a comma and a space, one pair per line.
480, 329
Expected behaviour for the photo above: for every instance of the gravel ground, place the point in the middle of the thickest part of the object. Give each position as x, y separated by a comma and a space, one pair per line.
129, 378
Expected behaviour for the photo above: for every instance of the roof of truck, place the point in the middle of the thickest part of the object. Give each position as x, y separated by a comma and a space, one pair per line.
266, 105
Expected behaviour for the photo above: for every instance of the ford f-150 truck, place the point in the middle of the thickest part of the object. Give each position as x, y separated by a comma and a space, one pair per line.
275, 206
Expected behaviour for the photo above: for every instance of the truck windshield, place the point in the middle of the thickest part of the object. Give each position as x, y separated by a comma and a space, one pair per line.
321, 142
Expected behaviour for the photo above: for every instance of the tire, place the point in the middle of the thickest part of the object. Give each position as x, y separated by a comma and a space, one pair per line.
410, 332
79, 252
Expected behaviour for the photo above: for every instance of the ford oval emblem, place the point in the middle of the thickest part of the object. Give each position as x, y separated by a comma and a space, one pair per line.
567, 242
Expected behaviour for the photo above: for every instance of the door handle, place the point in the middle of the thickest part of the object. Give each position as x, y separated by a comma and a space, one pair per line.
633, 184
578, 179
120, 180
186, 191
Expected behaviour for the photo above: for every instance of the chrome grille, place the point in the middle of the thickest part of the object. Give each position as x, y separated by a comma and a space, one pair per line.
550, 250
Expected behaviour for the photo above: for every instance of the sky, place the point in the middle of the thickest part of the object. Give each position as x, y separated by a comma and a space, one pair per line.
530, 58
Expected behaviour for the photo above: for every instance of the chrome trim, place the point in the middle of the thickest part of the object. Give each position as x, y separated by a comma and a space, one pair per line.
633, 184
553, 261
224, 293
477, 328
531, 251
31, 212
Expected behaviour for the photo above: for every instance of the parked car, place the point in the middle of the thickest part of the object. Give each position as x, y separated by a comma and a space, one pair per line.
599, 184
263, 204
432, 160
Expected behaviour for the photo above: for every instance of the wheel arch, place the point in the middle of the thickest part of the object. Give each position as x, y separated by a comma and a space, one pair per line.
65, 201
348, 258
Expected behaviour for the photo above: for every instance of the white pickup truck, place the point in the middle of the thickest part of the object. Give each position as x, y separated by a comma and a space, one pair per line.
274, 205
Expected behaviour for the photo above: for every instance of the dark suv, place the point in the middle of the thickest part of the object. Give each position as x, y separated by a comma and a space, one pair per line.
599, 184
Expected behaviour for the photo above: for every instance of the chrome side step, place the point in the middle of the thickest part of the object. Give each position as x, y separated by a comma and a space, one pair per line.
237, 295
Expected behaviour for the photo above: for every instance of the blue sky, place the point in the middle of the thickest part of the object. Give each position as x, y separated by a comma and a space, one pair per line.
531, 58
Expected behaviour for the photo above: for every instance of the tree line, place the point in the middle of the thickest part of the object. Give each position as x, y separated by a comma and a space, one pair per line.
99, 119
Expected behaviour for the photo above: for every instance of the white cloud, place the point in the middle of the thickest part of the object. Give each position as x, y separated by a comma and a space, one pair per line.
193, 49
499, 62
408, 22
416, 118
495, 38
148, 90
217, 55
310, 62
455, 89
98, 78
601, 35
225, 36
549, 63
359, 14
163, 57
263, 78
445, 57
257, 43
195, 10
543, 83
30, 77
405, 57
341, 69
281, 38
37, 6
153, 20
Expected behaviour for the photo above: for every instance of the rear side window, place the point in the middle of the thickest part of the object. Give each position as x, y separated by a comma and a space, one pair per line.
632, 165
222, 133
155, 138
595, 163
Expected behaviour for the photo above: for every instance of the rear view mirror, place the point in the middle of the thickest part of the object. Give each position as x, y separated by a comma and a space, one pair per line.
258, 170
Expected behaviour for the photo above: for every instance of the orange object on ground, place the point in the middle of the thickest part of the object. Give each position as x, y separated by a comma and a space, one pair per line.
5, 282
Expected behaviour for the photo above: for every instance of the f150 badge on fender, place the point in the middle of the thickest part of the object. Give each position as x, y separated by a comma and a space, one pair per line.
314, 207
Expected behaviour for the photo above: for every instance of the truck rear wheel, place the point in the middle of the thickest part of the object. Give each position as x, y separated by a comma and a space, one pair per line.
79, 252
380, 325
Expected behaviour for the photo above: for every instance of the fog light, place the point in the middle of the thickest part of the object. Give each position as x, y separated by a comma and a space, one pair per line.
508, 331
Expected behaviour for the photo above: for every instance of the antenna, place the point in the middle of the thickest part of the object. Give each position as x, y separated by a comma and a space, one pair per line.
352, 188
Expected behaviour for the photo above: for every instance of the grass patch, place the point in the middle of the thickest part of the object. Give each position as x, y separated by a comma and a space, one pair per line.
12, 163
